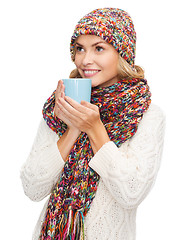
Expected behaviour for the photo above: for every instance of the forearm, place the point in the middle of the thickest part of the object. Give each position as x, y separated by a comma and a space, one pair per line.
130, 171
66, 142
40, 171
98, 137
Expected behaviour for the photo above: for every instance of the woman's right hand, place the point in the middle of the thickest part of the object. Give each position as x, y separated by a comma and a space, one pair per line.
57, 112
60, 94
67, 140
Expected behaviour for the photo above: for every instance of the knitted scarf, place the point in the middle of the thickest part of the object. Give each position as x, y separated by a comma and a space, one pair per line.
121, 108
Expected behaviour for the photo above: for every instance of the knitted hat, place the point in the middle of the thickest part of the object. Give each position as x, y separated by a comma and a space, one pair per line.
113, 25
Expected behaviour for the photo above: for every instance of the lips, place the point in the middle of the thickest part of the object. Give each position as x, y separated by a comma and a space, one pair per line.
90, 72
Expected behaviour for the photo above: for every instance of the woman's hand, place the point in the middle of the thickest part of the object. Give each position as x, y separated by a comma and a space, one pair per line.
84, 116
57, 111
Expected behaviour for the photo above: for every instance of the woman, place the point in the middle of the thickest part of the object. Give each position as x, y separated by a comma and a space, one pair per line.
97, 160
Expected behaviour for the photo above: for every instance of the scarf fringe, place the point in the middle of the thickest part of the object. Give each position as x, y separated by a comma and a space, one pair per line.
71, 226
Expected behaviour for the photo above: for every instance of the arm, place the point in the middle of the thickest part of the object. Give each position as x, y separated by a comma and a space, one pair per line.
46, 160
98, 136
130, 171
41, 170
66, 142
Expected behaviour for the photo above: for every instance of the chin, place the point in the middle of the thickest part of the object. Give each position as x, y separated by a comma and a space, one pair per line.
94, 83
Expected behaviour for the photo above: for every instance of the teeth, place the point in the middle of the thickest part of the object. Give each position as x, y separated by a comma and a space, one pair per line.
90, 72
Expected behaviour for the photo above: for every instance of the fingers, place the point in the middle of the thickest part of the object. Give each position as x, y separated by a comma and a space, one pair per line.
59, 83
89, 105
83, 107
59, 93
59, 109
60, 89
82, 116
69, 107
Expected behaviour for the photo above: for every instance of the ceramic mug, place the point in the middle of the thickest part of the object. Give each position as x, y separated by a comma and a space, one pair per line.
78, 88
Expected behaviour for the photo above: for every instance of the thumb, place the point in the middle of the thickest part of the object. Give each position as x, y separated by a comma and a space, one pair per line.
89, 105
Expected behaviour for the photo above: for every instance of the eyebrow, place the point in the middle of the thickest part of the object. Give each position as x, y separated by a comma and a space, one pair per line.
92, 44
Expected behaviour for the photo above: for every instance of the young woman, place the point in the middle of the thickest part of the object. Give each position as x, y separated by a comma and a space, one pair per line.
97, 160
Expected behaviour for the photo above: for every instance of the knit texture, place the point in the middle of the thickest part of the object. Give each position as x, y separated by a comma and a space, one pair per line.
126, 177
113, 25
121, 108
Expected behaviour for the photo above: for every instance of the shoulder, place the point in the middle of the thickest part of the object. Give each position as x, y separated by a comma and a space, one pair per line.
151, 126
151, 130
154, 111
153, 117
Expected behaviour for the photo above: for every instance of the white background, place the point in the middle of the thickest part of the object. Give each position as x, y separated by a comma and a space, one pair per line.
34, 55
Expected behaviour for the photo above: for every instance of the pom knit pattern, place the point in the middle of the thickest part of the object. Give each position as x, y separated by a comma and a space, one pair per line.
121, 108
113, 25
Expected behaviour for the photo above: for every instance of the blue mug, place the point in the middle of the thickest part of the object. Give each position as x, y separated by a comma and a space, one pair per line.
78, 88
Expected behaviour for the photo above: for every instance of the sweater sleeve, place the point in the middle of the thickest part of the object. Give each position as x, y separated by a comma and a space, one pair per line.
130, 171
42, 168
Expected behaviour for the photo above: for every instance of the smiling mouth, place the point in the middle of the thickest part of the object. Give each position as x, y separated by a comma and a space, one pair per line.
90, 73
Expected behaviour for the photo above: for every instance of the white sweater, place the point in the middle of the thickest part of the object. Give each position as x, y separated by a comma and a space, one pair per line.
126, 177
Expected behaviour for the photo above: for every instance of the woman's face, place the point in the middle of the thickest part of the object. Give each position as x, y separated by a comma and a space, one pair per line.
97, 60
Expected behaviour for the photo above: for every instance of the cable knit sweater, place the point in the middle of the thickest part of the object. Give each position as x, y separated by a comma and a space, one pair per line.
126, 177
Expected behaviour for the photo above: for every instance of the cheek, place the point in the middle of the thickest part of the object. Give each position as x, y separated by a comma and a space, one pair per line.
77, 60
77, 63
112, 63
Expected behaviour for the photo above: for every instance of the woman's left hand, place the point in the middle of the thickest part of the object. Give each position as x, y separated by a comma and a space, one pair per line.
84, 116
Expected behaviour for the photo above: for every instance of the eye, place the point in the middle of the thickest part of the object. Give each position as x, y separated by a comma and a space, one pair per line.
99, 49
79, 49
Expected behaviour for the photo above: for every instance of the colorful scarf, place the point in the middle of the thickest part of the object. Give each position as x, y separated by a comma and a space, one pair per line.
121, 108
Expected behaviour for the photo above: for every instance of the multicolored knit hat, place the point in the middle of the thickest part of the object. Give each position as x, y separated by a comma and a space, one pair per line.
113, 25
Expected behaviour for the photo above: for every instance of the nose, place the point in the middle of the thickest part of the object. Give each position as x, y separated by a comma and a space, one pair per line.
87, 59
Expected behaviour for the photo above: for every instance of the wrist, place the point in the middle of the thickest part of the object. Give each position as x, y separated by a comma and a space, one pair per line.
66, 141
98, 136
72, 131
95, 129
